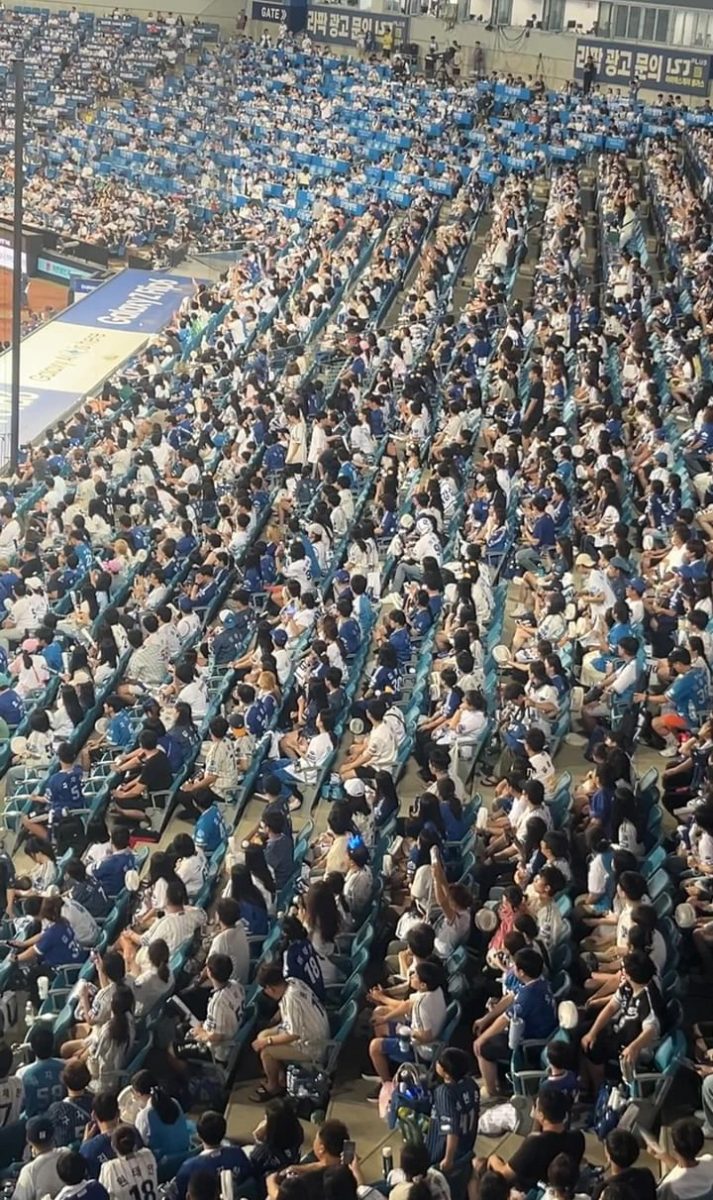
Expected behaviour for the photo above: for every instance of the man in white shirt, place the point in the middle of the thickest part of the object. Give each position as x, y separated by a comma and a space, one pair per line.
38, 1177
176, 926
377, 752
301, 1033
223, 1015
232, 940
690, 1173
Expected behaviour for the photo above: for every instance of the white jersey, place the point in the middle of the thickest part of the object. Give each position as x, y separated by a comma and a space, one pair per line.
10, 1100
131, 1178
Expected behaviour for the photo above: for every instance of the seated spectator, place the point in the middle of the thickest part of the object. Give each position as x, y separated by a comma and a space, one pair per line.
531, 1161
39, 1177
300, 1033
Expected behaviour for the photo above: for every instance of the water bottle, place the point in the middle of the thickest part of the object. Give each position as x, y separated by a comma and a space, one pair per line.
43, 987
29, 1014
387, 1162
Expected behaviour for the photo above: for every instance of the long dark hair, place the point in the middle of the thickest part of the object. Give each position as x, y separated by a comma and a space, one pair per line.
243, 889
122, 1003
70, 699
257, 866
283, 1129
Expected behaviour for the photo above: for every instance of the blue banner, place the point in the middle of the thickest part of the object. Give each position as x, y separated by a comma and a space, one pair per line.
132, 302
67, 358
650, 66
275, 13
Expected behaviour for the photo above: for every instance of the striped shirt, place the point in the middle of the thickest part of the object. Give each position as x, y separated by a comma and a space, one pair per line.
302, 1014
224, 1014
175, 928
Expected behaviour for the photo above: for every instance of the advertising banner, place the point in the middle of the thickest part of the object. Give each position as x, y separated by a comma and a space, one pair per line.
347, 27
69, 357
661, 70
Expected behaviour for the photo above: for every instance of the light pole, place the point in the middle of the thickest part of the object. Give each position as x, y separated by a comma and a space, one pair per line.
19, 68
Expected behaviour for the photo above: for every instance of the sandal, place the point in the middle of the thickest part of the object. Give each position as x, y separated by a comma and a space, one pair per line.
262, 1095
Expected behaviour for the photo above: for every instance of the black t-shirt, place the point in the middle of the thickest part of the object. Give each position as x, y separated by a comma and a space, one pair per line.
530, 1163
155, 773
638, 1179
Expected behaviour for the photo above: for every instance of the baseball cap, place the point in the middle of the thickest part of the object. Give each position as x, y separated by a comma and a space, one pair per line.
406, 521
559, 432
228, 619
342, 576
661, 457
279, 637
39, 1131
619, 563
423, 525
185, 604
637, 584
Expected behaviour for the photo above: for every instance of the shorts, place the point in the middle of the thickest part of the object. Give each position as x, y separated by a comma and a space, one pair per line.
293, 1053
496, 1049
674, 723
393, 1049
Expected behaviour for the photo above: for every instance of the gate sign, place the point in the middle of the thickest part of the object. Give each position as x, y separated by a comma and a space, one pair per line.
276, 13
663, 70
347, 27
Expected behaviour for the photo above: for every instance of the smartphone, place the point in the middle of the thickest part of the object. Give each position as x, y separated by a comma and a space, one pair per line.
348, 1152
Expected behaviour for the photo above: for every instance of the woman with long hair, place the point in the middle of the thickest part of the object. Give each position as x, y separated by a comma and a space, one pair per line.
153, 983
108, 1047
317, 910
261, 874
160, 1120
253, 910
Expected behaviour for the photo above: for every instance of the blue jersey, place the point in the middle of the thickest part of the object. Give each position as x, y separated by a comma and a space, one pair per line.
300, 961
57, 945
689, 694
89, 1189
42, 1085
112, 870
119, 732
535, 1006
64, 792
210, 831
223, 1158
455, 1112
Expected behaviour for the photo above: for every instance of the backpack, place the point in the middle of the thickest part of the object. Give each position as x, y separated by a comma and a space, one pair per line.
394, 718
608, 1109
410, 1104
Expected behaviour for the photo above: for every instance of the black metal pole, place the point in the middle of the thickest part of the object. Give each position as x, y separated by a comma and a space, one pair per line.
17, 262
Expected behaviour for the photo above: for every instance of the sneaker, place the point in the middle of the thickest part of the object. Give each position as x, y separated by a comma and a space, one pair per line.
669, 752
575, 739
370, 1078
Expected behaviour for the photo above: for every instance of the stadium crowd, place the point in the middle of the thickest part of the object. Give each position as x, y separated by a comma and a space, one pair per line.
335, 551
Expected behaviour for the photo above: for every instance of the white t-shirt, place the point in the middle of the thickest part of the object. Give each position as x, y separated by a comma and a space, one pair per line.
686, 1182
381, 745
131, 1177
234, 943
428, 1013
39, 1178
